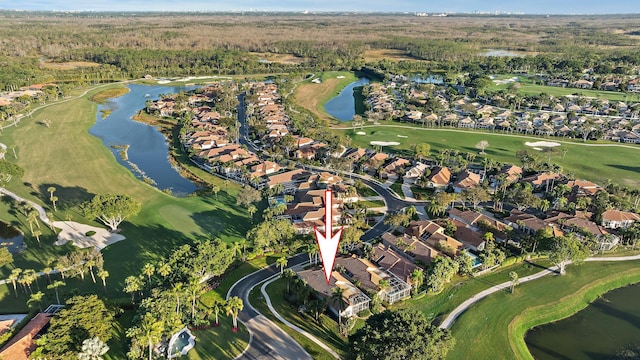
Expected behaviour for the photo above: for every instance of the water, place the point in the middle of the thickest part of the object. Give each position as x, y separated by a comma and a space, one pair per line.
600, 331
180, 343
501, 53
431, 79
343, 106
148, 149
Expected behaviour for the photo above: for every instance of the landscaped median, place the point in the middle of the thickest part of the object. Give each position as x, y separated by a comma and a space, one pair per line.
494, 327
563, 308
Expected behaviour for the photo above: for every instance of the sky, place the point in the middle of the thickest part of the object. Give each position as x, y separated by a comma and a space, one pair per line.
524, 6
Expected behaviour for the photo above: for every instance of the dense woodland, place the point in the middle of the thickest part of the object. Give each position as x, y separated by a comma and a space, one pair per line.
198, 44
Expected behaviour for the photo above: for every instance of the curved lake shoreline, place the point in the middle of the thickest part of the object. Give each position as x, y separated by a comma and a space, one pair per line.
148, 151
343, 106
605, 327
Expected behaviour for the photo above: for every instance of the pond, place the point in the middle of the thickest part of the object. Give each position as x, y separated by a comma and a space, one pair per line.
343, 106
501, 53
603, 330
148, 151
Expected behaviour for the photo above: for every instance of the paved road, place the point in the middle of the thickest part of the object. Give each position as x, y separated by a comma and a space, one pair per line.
448, 321
267, 341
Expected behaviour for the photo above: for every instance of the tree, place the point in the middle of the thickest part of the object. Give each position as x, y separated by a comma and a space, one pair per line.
37, 234
36, 299
465, 263
398, 219
150, 332
55, 285
148, 269
93, 349
103, 275
111, 209
248, 196
133, 284
9, 170
82, 318
567, 249
233, 306
14, 277
216, 308
195, 288
403, 334
476, 195
281, 262
5, 257
514, 280
215, 189
482, 145
52, 198
251, 210
336, 295
417, 278
441, 271
422, 150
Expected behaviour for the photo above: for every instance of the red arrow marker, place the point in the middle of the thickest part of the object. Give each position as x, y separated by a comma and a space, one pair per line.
328, 244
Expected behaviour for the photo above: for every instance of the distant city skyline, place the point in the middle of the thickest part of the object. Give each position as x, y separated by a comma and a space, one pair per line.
528, 7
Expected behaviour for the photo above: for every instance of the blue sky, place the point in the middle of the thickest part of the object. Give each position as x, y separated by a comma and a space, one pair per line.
526, 6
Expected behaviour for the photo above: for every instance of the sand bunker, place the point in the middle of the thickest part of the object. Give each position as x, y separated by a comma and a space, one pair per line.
384, 143
542, 144
403, 136
75, 232
361, 133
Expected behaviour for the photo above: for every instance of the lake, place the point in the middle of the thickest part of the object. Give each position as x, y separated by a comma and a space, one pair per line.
148, 152
343, 106
600, 331
501, 53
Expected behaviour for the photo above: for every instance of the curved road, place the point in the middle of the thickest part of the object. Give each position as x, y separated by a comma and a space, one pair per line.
453, 315
267, 340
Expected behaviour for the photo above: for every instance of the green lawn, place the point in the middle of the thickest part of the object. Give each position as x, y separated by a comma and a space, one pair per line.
78, 165
371, 203
488, 330
436, 307
305, 322
596, 163
528, 88
219, 342
397, 187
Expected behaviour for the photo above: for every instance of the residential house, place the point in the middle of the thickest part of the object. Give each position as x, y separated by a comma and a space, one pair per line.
614, 219
433, 235
466, 180
542, 181
289, 179
392, 168
583, 187
512, 172
369, 276
526, 223
410, 247
353, 299
23, 344
386, 258
439, 177
582, 84
415, 173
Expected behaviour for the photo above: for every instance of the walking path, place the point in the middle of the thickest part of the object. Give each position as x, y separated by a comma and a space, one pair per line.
453, 315
406, 191
292, 326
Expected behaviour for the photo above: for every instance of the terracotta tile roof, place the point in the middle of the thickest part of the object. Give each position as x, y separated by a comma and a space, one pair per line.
440, 175
22, 344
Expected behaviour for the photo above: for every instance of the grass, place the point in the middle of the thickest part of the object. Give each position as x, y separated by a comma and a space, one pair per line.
78, 165
219, 342
529, 88
371, 203
312, 96
366, 191
437, 306
323, 331
245, 268
107, 94
494, 327
118, 343
606, 160
397, 187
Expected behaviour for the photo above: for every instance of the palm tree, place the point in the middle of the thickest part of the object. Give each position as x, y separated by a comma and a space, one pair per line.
312, 252
282, 262
164, 270
233, 306
28, 277
289, 275
56, 284
217, 307
411, 211
13, 277
195, 289
32, 217
417, 278
148, 269
103, 274
177, 291
37, 234
36, 298
251, 210
151, 331
215, 189
133, 284
336, 294
93, 349
53, 199
47, 271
